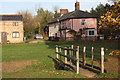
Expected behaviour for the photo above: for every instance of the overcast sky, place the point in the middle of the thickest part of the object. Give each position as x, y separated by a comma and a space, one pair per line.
13, 6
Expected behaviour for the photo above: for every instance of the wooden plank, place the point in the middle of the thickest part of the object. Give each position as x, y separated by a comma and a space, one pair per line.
66, 56
65, 52
70, 53
102, 60
77, 57
65, 48
60, 52
84, 48
92, 56
57, 51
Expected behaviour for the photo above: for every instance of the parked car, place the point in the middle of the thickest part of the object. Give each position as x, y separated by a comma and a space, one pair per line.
38, 36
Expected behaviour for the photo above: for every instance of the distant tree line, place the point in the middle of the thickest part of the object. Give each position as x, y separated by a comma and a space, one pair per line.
36, 24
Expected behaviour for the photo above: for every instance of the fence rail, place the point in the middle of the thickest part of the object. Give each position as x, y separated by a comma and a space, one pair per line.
69, 58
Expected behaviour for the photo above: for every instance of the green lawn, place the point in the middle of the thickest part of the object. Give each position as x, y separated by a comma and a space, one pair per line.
44, 68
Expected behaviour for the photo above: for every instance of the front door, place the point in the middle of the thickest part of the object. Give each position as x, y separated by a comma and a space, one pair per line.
4, 37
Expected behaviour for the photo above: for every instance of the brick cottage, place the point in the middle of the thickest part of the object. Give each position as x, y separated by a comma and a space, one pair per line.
11, 29
84, 23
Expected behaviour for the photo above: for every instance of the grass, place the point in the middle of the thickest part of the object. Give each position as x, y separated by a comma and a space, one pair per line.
40, 52
107, 75
45, 65
15, 52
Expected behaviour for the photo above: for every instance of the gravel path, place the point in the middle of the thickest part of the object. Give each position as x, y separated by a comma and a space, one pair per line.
38, 41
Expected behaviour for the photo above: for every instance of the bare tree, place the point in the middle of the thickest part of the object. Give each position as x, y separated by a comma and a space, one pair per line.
55, 8
29, 22
56, 13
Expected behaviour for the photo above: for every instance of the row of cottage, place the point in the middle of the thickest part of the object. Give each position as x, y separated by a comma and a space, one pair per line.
84, 23
11, 26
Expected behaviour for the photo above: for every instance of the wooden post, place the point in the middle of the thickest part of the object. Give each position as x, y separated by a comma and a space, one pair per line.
57, 51
84, 56
72, 48
92, 56
70, 54
60, 52
102, 60
77, 58
65, 55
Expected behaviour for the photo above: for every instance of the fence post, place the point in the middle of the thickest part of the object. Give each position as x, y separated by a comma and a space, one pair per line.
70, 54
77, 58
84, 56
102, 60
60, 52
92, 56
72, 48
57, 51
65, 55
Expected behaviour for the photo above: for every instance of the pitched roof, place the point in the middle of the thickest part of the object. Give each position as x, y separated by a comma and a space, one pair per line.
11, 17
74, 15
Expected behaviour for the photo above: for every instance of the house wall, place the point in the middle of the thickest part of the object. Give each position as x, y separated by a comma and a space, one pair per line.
53, 30
75, 24
7, 26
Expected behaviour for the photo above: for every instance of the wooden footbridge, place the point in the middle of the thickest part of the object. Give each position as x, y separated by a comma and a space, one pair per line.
68, 58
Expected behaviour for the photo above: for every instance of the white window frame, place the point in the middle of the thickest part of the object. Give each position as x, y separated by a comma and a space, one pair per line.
15, 34
84, 21
87, 32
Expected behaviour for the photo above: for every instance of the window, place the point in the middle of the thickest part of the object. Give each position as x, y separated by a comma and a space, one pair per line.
63, 24
15, 23
90, 32
64, 32
68, 24
83, 22
15, 34
54, 25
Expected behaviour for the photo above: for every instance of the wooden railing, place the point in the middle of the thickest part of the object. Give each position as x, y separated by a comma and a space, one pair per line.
76, 60
70, 56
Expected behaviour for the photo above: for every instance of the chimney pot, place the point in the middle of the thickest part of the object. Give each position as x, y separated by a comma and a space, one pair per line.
77, 6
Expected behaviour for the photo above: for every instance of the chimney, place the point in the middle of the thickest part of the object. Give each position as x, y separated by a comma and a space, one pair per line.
77, 7
63, 11
86, 11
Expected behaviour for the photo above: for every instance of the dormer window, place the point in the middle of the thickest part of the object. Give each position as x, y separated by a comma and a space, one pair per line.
83, 22
15, 23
